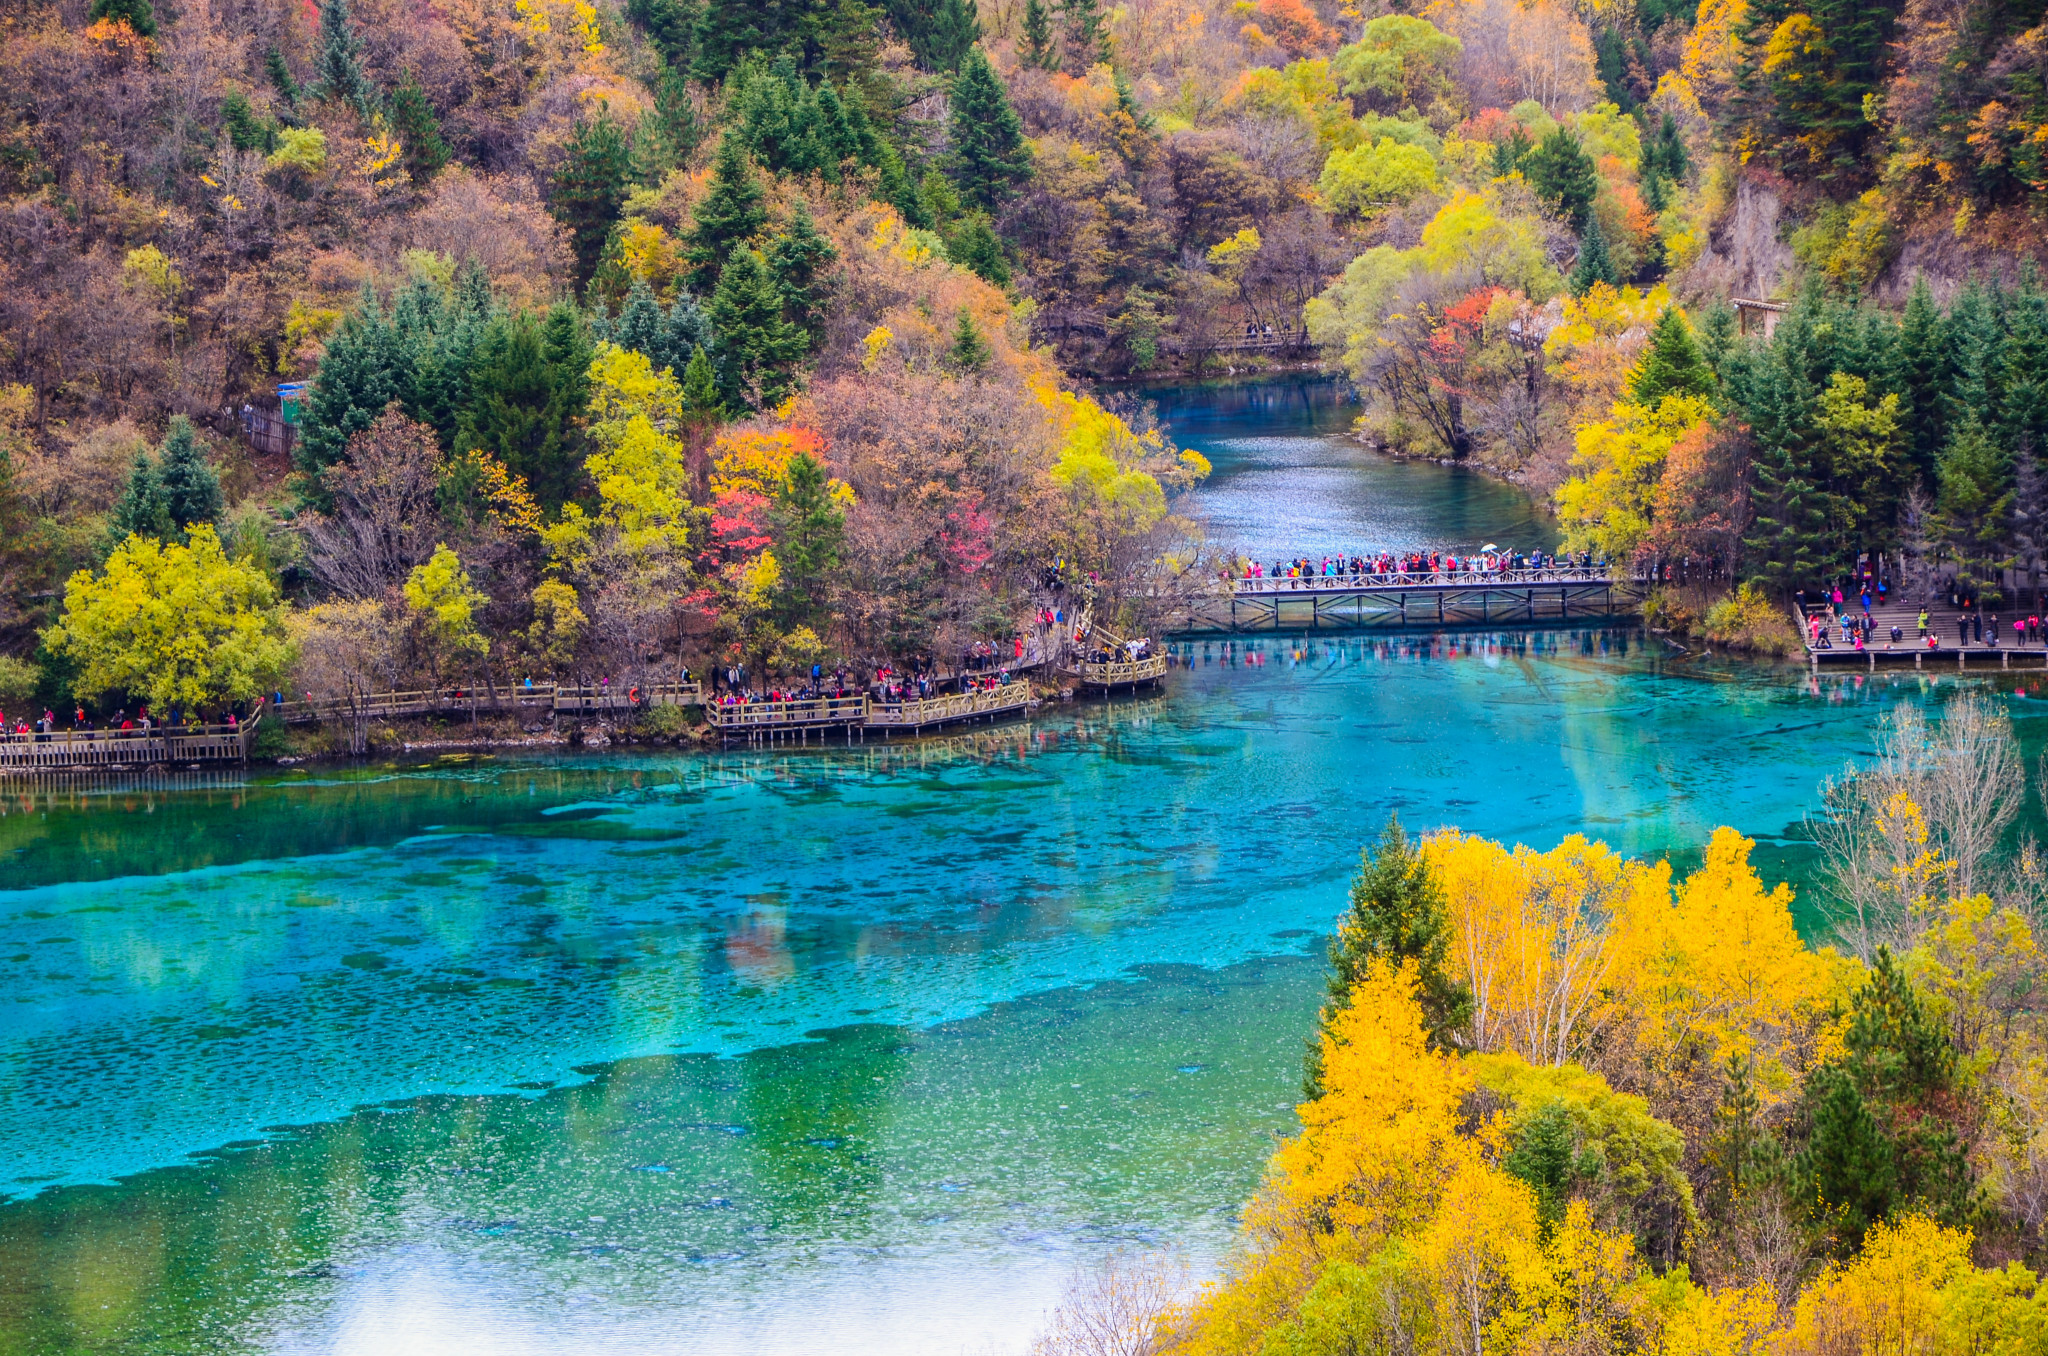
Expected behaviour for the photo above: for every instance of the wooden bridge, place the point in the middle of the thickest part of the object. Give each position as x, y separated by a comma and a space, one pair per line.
773, 722
468, 701
1413, 598
192, 745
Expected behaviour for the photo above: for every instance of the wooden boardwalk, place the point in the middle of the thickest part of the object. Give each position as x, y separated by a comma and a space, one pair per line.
1422, 598
1943, 623
1109, 675
853, 717
191, 745
464, 701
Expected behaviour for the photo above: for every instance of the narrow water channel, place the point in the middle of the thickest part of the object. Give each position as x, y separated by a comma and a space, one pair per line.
860, 1049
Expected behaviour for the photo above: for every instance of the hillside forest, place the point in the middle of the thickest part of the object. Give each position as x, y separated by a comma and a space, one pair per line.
748, 336
1567, 1102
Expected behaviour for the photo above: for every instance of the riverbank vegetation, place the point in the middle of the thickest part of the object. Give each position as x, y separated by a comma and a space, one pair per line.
1566, 1101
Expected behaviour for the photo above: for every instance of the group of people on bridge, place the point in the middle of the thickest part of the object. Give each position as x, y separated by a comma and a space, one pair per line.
1420, 566
45, 726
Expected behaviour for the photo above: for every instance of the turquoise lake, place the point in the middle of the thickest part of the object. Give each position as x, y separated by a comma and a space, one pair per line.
851, 1049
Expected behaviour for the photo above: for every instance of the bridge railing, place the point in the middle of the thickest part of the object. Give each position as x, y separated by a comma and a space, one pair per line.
158, 744
956, 706
809, 711
1352, 583
1117, 672
552, 696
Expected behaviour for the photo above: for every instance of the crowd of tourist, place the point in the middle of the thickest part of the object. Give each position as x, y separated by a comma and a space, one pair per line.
1422, 567
1850, 621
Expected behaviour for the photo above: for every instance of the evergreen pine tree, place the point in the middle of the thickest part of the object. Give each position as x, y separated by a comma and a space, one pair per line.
848, 43
1742, 1156
667, 138
1666, 154
1545, 1157
1882, 1136
191, 491
758, 350
519, 410
590, 187
954, 30
471, 299
341, 61
246, 131
1086, 34
1848, 1164
1789, 539
797, 260
700, 390
1671, 365
419, 131
728, 216
137, 14
990, 157
969, 351
669, 25
1595, 264
142, 510
685, 329
1039, 47
1127, 103
974, 246
567, 346
641, 324
1509, 152
810, 536
365, 367
1397, 914
1563, 176
613, 280
281, 80
724, 34
2022, 365
1717, 336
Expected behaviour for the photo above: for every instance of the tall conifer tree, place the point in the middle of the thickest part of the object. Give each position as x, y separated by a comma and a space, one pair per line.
990, 157
590, 187
729, 215
758, 350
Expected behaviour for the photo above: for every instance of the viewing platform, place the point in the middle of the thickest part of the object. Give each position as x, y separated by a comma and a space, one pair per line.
2009, 652
1109, 675
188, 745
1416, 598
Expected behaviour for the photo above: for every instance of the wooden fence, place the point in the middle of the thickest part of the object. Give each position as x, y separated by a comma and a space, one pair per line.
916, 715
1120, 672
128, 748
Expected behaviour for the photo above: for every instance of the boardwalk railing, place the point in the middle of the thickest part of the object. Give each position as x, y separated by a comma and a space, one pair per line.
1120, 672
1422, 579
540, 696
805, 714
129, 748
915, 715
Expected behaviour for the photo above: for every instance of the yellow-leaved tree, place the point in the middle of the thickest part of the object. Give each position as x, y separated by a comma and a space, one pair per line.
444, 604
640, 467
1618, 465
179, 625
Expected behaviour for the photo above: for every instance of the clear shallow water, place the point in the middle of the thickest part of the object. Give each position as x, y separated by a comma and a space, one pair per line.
858, 1049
